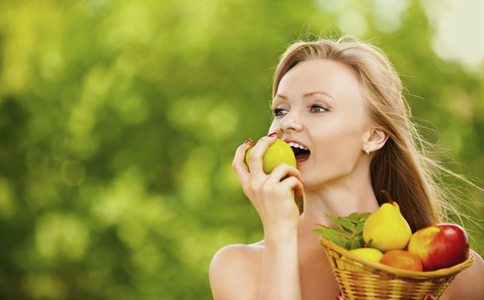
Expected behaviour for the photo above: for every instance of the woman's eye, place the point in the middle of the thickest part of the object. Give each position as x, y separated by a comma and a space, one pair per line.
317, 109
279, 112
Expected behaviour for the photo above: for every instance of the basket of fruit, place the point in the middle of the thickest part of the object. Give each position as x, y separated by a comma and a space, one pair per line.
376, 256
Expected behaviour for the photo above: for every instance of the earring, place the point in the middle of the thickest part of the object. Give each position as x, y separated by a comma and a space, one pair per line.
367, 150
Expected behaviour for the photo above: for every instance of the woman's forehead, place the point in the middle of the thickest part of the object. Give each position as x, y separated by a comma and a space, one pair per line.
326, 76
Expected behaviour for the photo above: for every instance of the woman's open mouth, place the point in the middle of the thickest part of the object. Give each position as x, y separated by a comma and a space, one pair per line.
301, 152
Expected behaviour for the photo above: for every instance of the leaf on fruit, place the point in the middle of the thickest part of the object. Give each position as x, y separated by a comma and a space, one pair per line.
354, 217
343, 224
360, 226
333, 235
349, 231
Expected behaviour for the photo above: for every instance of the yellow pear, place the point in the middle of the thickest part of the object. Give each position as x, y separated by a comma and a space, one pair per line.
386, 229
367, 253
279, 152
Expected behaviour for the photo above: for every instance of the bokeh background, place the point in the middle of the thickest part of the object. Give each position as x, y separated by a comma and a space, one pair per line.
119, 120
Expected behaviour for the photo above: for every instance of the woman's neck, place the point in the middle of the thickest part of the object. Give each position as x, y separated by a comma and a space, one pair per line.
342, 200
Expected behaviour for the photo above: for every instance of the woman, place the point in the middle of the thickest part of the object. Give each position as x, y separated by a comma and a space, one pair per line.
341, 103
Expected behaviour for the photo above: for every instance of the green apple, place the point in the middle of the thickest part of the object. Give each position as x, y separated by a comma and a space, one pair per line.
279, 152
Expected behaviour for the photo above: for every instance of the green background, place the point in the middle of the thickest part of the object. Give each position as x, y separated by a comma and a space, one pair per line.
119, 121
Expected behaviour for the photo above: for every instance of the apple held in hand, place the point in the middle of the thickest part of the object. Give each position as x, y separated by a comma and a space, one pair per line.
440, 246
279, 152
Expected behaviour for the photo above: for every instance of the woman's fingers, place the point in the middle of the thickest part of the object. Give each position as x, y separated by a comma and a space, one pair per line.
282, 173
286, 177
294, 184
284, 170
255, 157
238, 163
257, 154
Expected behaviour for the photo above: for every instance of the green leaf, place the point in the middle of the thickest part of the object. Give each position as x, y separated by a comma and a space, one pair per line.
354, 217
350, 230
360, 227
345, 244
342, 223
347, 225
334, 235
335, 221
330, 233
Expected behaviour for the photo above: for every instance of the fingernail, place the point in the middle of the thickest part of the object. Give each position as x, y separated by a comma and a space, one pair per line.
272, 134
340, 294
249, 141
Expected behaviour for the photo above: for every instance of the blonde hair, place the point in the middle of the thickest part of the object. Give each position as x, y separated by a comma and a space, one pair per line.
401, 167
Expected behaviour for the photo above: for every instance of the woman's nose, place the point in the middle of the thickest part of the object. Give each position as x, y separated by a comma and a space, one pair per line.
291, 121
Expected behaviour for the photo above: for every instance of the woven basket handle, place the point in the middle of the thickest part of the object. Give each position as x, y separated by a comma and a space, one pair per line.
340, 297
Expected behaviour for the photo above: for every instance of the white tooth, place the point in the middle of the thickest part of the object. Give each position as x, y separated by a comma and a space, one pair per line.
296, 145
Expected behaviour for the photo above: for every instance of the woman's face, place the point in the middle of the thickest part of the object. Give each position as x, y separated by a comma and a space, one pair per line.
321, 106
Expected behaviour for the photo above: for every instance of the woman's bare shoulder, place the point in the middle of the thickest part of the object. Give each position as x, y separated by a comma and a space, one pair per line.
237, 256
469, 284
234, 271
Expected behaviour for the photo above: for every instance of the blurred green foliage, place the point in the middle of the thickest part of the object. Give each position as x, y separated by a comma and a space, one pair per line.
119, 120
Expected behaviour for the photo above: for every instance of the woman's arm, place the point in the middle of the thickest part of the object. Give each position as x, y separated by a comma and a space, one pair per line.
275, 275
280, 268
469, 284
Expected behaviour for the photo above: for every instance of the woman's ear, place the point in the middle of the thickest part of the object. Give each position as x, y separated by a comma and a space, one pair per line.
376, 139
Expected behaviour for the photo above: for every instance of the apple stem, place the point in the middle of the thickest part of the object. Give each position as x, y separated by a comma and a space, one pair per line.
387, 194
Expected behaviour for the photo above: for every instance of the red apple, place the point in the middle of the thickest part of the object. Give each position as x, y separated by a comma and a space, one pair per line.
440, 246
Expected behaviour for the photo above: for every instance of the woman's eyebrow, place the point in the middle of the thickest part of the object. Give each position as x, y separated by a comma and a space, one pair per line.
306, 95
280, 96
317, 92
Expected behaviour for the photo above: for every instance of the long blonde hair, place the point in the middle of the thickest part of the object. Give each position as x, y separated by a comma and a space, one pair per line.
401, 167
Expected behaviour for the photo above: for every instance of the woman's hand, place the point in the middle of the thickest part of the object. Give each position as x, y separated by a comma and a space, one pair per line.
272, 195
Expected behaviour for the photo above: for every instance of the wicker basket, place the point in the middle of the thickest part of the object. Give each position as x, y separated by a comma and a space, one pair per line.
359, 278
